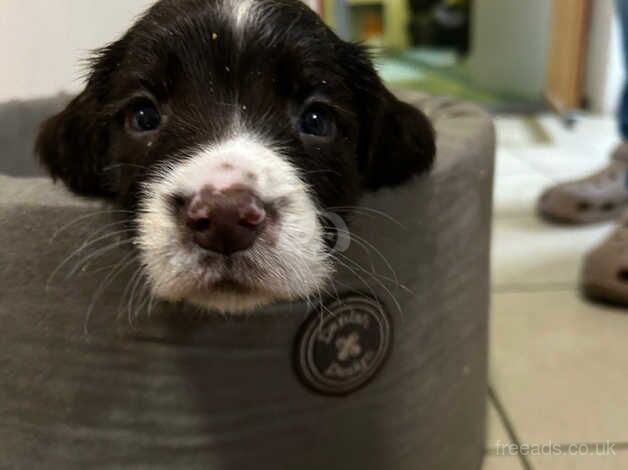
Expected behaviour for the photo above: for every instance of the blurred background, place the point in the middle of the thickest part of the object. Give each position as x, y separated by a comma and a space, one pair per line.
504, 53
507, 54
552, 73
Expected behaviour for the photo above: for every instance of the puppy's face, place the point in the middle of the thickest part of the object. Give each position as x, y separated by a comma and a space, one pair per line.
227, 127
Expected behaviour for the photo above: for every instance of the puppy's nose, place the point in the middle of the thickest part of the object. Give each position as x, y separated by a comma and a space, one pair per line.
226, 221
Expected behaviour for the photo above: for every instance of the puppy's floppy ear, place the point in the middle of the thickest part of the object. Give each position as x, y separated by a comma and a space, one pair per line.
72, 145
401, 143
396, 139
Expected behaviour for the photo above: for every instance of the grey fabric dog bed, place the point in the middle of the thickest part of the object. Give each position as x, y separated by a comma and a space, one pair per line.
81, 386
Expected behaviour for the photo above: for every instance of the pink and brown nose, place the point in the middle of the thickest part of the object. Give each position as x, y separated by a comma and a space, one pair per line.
226, 221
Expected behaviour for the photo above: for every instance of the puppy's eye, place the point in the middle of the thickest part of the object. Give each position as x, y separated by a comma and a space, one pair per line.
317, 121
144, 116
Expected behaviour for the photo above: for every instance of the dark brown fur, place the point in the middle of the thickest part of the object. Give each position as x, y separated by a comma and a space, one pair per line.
185, 55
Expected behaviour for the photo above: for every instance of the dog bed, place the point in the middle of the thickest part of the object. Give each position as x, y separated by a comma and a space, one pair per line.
388, 372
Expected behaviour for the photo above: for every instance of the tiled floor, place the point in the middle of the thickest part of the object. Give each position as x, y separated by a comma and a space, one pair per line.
559, 365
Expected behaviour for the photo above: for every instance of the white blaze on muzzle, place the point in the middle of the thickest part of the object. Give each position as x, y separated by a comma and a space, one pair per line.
288, 260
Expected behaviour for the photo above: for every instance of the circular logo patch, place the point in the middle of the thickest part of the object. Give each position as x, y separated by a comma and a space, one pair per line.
343, 345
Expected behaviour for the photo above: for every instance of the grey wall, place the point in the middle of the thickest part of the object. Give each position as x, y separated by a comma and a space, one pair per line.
510, 41
42, 42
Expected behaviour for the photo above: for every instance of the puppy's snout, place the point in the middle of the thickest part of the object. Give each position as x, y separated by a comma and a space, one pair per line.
225, 221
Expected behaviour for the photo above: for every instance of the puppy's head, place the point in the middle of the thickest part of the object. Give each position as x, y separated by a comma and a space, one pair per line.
227, 127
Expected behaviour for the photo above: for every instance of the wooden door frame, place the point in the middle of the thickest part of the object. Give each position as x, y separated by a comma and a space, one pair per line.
567, 55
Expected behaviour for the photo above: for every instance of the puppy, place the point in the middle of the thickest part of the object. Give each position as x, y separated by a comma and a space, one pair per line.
227, 127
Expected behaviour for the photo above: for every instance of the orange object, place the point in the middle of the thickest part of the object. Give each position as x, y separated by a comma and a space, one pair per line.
373, 27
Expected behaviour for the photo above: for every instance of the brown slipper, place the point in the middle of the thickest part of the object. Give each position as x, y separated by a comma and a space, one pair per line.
604, 273
599, 197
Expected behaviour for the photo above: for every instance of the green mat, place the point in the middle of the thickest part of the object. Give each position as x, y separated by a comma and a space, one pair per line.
438, 72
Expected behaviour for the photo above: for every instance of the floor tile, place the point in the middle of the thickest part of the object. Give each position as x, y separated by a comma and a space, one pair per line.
516, 195
590, 136
502, 463
562, 164
527, 251
496, 433
559, 366
507, 164
582, 462
513, 131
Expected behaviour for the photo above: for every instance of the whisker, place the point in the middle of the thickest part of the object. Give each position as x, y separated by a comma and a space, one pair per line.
366, 211
84, 217
365, 245
151, 302
123, 296
119, 165
106, 228
82, 261
86, 270
314, 172
64, 262
136, 283
381, 284
145, 297
120, 267
137, 307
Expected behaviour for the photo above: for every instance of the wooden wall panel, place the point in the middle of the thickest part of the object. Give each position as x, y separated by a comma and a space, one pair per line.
567, 55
